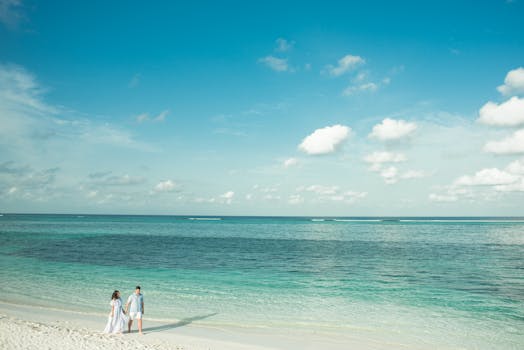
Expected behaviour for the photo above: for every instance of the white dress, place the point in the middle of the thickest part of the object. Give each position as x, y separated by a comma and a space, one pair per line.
117, 323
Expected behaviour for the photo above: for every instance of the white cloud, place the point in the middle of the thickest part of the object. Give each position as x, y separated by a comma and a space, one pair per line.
513, 83
165, 186
352, 196
333, 193
228, 197
295, 199
325, 140
362, 84
385, 157
391, 174
486, 184
275, 63
366, 87
283, 45
508, 113
442, 198
110, 135
323, 190
20, 91
345, 64
159, 118
486, 177
514, 187
516, 167
513, 144
392, 129
454, 193
290, 162
27, 183
28, 122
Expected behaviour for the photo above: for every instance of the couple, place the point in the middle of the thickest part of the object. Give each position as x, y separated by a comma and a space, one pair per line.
117, 317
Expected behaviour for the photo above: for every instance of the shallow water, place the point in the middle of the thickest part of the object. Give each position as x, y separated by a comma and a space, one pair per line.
454, 282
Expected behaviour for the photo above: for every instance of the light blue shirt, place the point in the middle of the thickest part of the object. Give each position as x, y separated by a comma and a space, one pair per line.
135, 302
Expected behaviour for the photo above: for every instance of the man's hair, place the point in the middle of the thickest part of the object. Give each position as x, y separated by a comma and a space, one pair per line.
137, 287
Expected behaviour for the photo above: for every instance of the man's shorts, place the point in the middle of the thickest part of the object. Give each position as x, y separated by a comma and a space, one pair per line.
135, 315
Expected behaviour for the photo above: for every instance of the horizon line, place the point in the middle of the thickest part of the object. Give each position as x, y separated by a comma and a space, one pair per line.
272, 216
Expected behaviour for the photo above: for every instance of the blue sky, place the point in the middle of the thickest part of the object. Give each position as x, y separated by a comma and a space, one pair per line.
362, 108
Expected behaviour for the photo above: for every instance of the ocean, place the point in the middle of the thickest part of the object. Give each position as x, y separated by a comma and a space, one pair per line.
442, 282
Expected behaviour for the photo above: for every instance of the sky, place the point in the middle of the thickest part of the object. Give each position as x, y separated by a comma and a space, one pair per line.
327, 108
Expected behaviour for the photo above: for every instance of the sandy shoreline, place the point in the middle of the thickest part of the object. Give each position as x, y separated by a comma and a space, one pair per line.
39, 328
31, 327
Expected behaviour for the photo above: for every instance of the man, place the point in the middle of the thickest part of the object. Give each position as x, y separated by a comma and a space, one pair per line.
135, 309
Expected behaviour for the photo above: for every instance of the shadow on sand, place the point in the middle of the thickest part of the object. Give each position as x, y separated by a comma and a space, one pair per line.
181, 323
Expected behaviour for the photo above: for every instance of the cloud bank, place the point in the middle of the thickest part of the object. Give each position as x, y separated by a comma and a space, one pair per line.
513, 144
508, 113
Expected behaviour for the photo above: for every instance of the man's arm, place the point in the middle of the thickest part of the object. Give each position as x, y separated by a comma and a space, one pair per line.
142, 307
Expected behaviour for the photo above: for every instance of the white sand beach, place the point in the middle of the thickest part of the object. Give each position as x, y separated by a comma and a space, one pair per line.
25, 327
60, 330
29, 327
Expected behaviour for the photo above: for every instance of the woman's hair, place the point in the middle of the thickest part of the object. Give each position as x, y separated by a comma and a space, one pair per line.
115, 295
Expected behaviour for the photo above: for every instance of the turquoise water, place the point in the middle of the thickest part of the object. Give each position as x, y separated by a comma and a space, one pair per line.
458, 283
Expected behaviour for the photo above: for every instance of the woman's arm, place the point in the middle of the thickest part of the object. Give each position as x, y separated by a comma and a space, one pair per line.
112, 310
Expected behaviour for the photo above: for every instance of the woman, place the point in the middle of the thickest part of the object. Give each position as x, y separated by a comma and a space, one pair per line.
117, 319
